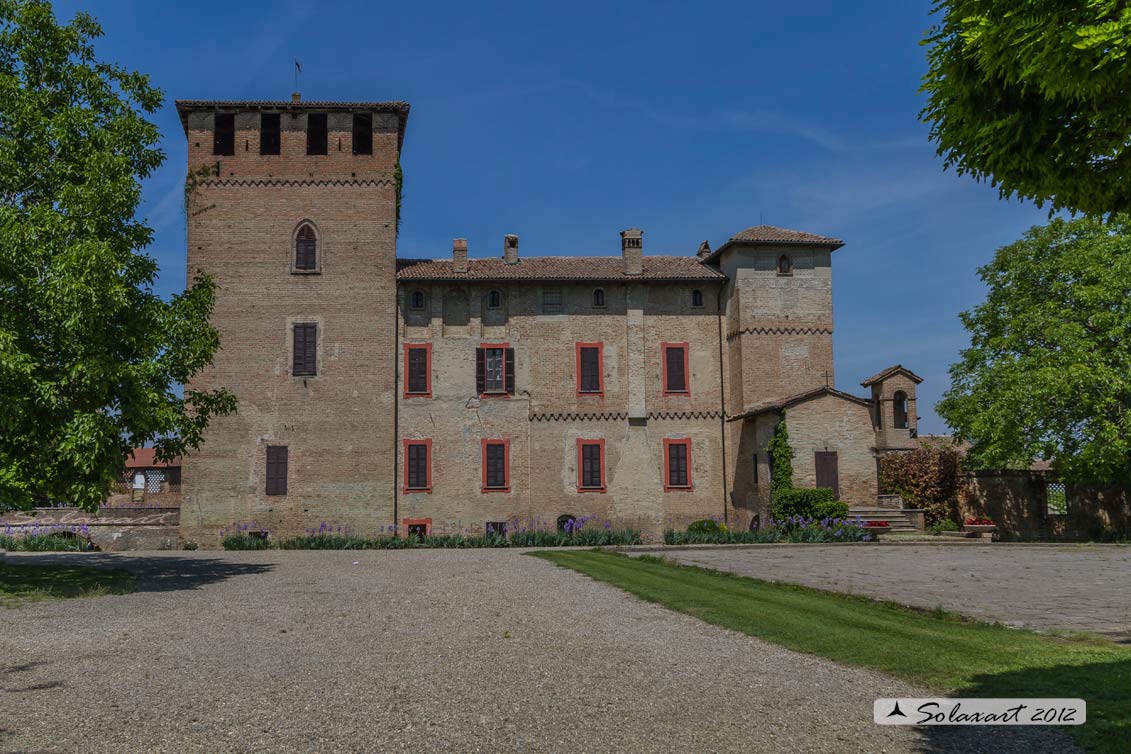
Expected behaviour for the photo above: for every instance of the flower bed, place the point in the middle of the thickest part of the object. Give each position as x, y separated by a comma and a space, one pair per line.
978, 521
797, 529
36, 538
578, 534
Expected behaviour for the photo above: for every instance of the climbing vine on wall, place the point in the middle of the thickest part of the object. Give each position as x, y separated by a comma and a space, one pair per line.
781, 458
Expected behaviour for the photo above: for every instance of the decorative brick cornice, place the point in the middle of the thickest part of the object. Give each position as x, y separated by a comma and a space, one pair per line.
779, 331
243, 182
560, 417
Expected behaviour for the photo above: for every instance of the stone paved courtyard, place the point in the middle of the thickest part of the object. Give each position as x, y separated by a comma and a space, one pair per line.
1044, 587
423, 651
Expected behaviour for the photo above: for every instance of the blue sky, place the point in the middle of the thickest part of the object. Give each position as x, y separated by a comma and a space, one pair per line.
566, 123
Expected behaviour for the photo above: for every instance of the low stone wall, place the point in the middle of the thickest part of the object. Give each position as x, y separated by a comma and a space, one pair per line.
110, 529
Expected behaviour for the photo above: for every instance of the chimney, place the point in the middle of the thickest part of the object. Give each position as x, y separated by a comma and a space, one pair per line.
632, 249
296, 97
704, 251
459, 255
510, 248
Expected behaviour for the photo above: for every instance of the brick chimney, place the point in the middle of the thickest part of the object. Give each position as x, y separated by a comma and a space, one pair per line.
459, 255
510, 248
632, 249
296, 97
704, 251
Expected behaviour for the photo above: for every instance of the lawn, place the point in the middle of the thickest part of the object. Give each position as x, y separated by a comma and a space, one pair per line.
937, 649
23, 583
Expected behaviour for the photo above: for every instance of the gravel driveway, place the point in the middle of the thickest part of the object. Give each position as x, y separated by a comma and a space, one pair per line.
462, 651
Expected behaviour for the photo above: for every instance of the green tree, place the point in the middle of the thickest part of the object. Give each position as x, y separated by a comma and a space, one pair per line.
90, 357
781, 458
1048, 371
1032, 96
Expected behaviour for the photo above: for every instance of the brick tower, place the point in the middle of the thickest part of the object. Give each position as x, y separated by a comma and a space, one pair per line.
292, 209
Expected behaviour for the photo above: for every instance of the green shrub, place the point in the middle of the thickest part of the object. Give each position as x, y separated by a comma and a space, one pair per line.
943, 525
530, 538
45, 543
831, 509
801, 501
840, 531
706, 525
245, 541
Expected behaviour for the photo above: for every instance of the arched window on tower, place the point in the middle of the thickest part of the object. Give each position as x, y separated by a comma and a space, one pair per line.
306, 249
899, 409
785, 265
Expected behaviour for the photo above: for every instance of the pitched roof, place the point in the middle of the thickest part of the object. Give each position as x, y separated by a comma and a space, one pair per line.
145, 458
770, 235
784, 403
894, 369
655, 268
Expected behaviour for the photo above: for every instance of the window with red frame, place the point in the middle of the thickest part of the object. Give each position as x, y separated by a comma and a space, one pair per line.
591, 465
418, 370
590, 380
494, 369
418, 466
496, 466
677, 464
675, 369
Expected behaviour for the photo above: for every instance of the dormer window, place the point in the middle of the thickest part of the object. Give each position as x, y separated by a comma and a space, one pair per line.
599, 298
306, 249
785, 265
416, 301
697, 298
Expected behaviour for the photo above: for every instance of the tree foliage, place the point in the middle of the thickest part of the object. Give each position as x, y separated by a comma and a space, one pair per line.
926, 478
1032, 96
1048, 371
90, 356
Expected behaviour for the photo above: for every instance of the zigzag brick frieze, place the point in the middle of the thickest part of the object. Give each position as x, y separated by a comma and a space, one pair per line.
244, 182
779, 331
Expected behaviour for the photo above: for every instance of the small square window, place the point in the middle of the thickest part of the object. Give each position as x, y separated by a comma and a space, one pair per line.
497, 529
418, 530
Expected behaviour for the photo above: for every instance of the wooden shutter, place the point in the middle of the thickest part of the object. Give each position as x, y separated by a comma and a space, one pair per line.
418, 466
306, 249
827, 473
591, 465
305, 362
677, 465
677, 377
276, 470
590, 370
418, 370
508, 377
480, 371
496, 465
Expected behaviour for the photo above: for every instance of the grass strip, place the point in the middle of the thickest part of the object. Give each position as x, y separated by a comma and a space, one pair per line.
21, 583
935, 649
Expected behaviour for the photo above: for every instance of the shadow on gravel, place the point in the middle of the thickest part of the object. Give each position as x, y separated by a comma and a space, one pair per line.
160, 573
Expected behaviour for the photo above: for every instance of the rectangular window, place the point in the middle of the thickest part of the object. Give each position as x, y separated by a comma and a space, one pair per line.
316, 133
269, 133
590, 377
496, 465
497, 529
551, 299
674, 357
224, 134
305, 361
417, 465
494, 369
677, 464
276, 470
362, 133
591, 465
418, 370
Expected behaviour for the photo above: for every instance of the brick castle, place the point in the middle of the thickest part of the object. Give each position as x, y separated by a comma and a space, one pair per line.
446, 395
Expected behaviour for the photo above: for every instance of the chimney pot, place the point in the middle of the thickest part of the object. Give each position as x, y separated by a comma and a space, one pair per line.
459, 255
296, 97
510, 248
632, 250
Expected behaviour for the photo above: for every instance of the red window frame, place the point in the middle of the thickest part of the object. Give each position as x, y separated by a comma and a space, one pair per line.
428, 468
506, 464
600, 346
668, 486
582, 442
425, 522
427, 370
504, 393
664, 347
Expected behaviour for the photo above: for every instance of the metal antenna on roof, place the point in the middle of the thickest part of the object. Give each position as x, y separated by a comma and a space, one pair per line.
298, 70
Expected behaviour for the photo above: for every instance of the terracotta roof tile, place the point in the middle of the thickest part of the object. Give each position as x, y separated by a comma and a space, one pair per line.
145, 458
773, 235
894, 369
656, 268
793, 400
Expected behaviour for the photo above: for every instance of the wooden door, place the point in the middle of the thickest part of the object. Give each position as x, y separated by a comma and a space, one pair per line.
827, 474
